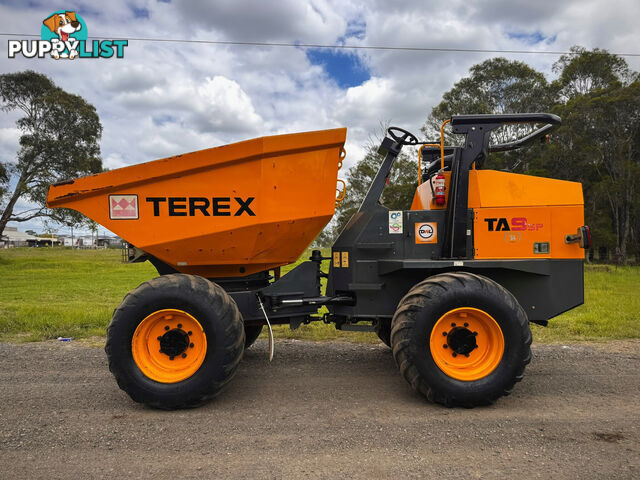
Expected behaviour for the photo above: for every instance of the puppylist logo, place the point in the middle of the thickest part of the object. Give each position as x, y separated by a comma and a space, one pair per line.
64, 35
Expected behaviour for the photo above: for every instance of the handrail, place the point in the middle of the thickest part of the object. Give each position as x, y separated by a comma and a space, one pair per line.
442, 143
522, 142
506, 118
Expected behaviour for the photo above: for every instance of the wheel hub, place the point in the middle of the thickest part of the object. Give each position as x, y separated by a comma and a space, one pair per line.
175, 342
462, 341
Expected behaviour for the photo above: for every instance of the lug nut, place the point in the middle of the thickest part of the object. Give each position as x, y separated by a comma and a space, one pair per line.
159, 337
445, 346
453, 324
466, 355
444, 334
454, 354
184, 355
167, 327
179, 325
475, 334
466, 324
191, 345
189, 332
171, 357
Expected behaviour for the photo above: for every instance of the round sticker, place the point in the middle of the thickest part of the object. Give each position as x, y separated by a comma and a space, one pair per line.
425, 231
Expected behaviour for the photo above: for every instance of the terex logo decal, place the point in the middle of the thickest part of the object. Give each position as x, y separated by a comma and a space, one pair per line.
188, 206
123, 207
517, 224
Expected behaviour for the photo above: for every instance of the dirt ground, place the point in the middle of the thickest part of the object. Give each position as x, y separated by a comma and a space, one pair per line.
320, 410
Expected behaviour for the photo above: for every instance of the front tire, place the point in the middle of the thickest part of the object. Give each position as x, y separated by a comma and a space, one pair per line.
175, 341
461, 339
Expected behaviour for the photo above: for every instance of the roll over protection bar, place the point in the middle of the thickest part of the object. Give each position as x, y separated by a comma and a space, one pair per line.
551, 121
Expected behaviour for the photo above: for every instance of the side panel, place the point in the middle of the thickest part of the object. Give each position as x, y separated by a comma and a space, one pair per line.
512, 232
543, 296
491, 188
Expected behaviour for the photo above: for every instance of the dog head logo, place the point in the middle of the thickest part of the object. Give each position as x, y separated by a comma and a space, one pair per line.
63, 34
66, 29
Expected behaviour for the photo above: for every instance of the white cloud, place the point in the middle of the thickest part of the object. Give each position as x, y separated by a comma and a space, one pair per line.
285, 20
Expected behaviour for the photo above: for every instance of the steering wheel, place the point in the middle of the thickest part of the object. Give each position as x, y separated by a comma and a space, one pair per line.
403, 137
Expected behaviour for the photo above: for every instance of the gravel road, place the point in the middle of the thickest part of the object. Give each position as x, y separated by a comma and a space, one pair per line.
320, 410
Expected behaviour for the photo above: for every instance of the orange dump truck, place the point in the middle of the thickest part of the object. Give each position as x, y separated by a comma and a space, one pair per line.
450, 284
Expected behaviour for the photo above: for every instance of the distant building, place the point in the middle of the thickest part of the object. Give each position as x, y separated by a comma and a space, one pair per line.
109, 242
65, 240
86, 241
11, 237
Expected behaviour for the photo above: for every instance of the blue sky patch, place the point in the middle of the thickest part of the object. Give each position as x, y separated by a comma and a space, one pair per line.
344, 68
531, 38
140, 12
356, 28
161, 120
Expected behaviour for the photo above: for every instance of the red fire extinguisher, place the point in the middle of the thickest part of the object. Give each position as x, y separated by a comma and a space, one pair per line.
439, 195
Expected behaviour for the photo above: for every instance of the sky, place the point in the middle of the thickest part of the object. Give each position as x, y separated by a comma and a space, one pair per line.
166, 98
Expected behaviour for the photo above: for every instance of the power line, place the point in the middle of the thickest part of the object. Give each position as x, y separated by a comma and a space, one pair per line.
326, 46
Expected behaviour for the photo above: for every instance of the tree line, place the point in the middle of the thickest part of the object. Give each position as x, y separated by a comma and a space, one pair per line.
597, 96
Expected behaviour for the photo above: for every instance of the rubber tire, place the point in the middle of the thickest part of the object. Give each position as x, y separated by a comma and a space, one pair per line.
416, 316
251, 334
383, 330
221, 321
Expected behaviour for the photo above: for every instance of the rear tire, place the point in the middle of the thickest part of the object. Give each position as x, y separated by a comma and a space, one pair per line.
441, 358
152, 356
251, 334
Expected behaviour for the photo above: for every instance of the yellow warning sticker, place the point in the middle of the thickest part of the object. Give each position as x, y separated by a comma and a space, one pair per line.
336, 259
345, 259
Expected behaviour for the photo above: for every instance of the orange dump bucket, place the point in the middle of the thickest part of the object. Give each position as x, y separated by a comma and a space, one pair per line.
221, 212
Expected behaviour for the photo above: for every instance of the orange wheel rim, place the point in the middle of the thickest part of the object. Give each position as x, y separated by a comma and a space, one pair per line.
467, 344
169, 346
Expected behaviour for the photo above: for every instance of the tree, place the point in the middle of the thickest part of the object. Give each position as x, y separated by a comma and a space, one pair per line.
583, 71
494, 86
597, 97
4, 181
60, 134
93, 228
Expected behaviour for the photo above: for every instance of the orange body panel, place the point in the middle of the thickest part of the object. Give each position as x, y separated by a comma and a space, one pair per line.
286, 182
527, 225
512, 212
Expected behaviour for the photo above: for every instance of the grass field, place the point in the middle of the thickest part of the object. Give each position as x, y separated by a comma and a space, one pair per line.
48, 293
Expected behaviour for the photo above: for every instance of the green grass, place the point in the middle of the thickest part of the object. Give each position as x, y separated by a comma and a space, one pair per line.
47, 293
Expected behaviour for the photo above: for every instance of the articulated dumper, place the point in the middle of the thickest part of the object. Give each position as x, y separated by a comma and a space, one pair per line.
451, 284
